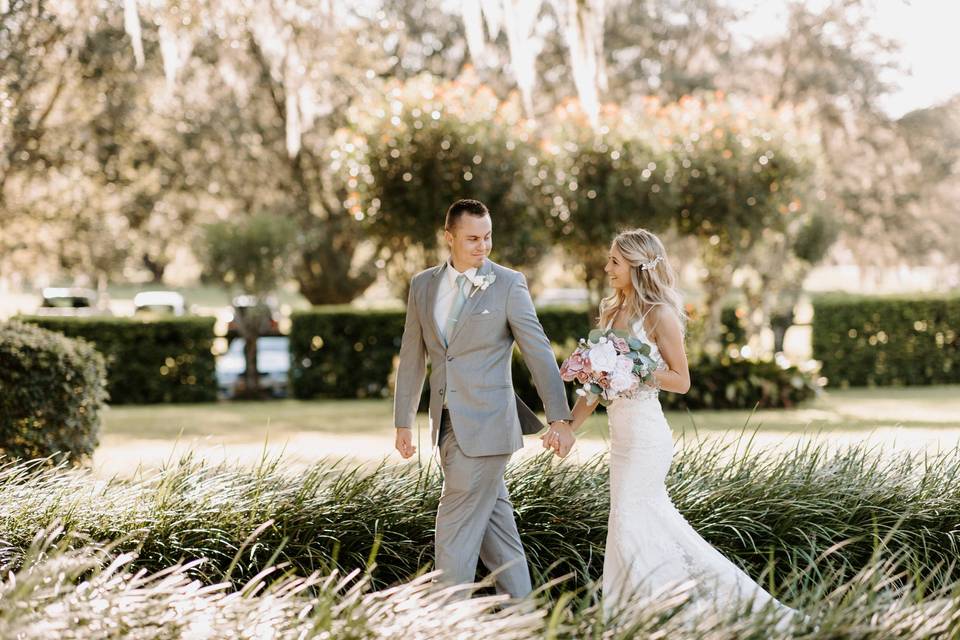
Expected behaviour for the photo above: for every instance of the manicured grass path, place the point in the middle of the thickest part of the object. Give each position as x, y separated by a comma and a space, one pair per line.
912, 417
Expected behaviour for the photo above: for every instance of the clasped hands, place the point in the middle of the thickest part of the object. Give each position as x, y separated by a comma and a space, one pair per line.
559, 438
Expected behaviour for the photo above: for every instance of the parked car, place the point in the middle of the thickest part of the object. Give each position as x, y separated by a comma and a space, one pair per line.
68, 301
273, 364
159, 303
242, 305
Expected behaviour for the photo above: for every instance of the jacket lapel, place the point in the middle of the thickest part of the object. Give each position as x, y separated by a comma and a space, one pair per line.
432, 287
472, 301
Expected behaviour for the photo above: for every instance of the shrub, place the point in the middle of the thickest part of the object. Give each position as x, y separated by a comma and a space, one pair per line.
52, 390
788, 507
738, 383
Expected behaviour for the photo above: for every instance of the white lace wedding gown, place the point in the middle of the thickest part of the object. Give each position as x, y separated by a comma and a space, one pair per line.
650, 546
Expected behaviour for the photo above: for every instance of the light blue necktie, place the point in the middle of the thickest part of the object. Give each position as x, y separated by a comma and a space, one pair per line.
458, 301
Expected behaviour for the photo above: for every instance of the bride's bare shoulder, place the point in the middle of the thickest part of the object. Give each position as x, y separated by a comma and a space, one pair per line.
659, 320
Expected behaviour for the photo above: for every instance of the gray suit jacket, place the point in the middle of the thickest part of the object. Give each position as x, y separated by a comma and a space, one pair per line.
474, 371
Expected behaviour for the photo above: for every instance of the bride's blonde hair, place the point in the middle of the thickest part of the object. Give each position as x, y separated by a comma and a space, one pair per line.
654, 280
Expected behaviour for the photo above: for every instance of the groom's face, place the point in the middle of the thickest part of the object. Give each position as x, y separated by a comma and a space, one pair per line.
471, 240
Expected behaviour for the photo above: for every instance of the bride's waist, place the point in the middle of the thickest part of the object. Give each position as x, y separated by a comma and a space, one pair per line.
641, 395
649, 406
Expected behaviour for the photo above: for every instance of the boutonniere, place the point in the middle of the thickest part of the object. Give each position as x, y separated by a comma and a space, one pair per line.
480, 283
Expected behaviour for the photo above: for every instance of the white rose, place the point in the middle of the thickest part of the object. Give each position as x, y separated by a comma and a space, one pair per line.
624, 365
620, 382
603, 357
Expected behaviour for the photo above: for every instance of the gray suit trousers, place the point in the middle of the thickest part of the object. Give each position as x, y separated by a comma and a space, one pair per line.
475, 519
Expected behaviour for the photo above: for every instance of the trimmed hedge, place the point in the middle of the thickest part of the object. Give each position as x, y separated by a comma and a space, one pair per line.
716, 383
152, 361
344, 352
871, 341
52, 390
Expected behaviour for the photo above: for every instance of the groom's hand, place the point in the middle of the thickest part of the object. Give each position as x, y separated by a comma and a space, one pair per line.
404, 442
559, 438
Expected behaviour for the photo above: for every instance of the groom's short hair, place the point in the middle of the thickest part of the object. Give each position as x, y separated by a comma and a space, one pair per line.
461, 208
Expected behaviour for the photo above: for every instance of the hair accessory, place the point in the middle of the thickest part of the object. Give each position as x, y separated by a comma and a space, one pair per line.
646, 266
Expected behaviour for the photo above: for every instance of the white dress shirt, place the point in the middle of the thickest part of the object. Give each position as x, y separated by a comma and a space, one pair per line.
446, 293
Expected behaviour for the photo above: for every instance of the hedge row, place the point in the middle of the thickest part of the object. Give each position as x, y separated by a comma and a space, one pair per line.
342, 352
155, 361
716, 383
887, 341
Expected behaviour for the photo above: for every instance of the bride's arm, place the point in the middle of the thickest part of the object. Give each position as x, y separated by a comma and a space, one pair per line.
669, 338
582, 411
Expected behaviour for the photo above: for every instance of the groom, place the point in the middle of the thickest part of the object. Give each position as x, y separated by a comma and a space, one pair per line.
465, 314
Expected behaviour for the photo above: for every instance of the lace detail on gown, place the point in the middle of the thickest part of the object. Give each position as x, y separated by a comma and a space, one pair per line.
650, 545
645, 391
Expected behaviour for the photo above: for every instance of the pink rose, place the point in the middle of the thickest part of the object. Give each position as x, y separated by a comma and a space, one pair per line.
620, 344
587, 367
583, 377
572, 367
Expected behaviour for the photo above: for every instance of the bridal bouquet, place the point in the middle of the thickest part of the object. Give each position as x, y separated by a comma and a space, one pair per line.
609, 365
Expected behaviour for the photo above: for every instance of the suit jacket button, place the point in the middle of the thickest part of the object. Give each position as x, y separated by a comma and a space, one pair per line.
441, 391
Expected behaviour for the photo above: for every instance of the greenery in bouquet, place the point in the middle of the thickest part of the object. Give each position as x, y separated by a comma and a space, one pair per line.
608, 365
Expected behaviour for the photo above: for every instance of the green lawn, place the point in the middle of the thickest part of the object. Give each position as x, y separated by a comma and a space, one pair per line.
249, 420
145, 437
936, 407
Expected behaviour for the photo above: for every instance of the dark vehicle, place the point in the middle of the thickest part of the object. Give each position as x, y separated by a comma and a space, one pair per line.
68, 301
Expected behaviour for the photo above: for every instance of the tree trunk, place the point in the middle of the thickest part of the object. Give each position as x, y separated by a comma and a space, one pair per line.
325, 271
330, 236
155, 267
753, 326
103, 298
251, 377
251, 324
779, 323
595, 280
400, 268
716, 286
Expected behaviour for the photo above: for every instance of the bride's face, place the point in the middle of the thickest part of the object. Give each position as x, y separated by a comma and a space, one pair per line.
617, 269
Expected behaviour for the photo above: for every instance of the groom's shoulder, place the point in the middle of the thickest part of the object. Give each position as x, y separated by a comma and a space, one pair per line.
506, 273
424, 275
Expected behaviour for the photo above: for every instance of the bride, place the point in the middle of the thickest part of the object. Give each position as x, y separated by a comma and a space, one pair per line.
650, 546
